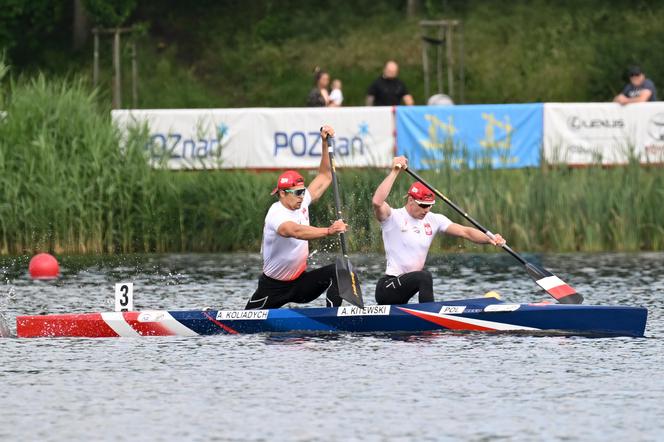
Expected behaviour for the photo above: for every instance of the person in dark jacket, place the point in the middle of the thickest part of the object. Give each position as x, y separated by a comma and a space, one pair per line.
388, 90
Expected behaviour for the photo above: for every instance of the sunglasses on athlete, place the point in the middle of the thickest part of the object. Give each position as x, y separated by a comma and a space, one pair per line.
424, 206
296, 192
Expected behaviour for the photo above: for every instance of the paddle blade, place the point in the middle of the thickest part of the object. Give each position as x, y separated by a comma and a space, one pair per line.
553, 285
348, 282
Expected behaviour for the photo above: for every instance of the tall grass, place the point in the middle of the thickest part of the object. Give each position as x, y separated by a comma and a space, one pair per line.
66, 186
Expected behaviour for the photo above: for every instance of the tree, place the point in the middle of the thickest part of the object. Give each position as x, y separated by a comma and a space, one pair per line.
81, 25
25, 23
110, 13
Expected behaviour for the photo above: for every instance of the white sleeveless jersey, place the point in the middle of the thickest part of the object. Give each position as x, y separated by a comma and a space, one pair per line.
285, 258
407, 239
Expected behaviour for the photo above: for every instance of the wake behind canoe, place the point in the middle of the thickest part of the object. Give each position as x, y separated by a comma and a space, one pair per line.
482, 314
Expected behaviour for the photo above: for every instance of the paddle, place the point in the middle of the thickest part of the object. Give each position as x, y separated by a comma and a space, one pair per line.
549, 282
347, 280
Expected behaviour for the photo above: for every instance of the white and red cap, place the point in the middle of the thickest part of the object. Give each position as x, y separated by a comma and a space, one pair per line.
288, 179
421, 193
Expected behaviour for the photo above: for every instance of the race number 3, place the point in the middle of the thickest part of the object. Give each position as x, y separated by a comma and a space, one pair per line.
124, 296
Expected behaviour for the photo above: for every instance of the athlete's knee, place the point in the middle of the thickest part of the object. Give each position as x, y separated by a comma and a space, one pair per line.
427, 276
330, 269
255, 303
333, 301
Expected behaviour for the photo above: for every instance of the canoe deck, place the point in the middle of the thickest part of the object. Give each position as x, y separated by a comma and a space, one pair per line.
482, 314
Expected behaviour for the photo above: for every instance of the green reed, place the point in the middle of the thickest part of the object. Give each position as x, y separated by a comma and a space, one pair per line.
65, 184
537, 209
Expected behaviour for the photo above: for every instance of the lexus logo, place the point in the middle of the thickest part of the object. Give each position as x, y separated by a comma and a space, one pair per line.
578, 123
656, 127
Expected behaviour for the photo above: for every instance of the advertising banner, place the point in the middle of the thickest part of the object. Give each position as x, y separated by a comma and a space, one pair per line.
262, 138
507, 135
603, 133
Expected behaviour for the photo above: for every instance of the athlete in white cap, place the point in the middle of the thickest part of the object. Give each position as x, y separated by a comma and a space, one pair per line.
407, 235
286, 236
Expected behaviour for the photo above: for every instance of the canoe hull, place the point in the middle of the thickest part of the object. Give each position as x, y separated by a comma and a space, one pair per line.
483, 314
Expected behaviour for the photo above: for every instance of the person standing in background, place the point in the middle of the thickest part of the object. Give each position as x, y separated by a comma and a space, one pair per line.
319, 96
388, 90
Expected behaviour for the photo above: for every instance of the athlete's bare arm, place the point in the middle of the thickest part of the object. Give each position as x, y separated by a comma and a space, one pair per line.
474, 235
290, 229
381, 209
323, 180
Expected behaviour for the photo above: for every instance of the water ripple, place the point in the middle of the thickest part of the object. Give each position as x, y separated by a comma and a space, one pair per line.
433, 386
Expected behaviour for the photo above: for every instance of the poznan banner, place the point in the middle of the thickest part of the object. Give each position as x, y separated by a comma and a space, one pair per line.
262, 138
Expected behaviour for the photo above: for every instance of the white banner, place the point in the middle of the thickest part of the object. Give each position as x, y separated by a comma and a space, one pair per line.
606, 133
262, 138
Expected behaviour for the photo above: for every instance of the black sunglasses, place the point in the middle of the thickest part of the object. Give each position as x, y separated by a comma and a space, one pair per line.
296, 192
424, 206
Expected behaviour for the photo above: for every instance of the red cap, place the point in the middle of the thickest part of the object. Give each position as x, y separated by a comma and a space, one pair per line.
288, 179
421, 193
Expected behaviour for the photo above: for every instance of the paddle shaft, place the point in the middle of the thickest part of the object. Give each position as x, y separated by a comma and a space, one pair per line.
335, 187
348, 283
479, 226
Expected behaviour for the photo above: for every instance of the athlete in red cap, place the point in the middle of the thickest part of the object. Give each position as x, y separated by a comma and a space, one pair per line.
286, 236
407, 235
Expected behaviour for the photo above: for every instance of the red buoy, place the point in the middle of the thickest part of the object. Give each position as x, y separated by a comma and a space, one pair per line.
44, 266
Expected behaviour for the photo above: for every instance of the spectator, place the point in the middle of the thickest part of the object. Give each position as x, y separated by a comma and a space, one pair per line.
440, 100
318, 96
638, 90
336, 96
388, 90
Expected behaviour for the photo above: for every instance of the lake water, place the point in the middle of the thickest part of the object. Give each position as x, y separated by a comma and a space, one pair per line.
447, 386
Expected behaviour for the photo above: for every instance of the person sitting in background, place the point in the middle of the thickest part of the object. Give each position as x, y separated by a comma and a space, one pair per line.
407, 235
318, 96
285, 246
388, 90
336, 96
639, 89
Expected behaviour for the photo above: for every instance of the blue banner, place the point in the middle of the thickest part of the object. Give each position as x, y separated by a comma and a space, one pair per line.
498, 135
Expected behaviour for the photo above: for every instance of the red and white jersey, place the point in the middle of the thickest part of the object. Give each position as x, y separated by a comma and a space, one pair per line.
285, 258
407, 239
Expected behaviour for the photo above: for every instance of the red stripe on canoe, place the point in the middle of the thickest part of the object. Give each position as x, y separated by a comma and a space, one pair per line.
445, 322
224, 327
146, 328
85, 325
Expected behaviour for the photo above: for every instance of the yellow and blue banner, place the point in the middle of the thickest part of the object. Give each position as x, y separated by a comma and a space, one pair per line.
498, 136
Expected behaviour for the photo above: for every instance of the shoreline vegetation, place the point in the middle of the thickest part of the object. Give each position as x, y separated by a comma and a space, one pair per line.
68, 188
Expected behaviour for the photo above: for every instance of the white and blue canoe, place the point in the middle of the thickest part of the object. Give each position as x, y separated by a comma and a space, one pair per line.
481, 314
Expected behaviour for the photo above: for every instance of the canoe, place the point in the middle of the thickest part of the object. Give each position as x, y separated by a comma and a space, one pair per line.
481, 314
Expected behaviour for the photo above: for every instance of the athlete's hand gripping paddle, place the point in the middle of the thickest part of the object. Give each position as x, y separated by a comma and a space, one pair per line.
347, 280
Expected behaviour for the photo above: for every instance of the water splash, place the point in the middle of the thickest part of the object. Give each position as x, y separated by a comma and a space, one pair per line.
5, 300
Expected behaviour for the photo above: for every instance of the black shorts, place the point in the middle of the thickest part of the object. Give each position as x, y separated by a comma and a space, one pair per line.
272, 293
399, 289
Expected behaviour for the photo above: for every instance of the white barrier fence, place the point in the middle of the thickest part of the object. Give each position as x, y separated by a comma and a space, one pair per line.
607, 133
278, 138
263, 138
